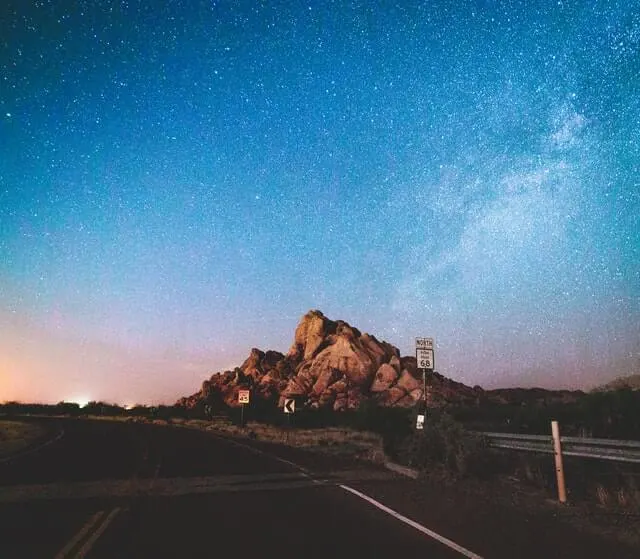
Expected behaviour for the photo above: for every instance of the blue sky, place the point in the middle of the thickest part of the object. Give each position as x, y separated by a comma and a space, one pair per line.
180, 183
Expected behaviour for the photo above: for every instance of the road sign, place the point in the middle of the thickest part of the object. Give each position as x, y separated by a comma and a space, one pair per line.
424, 358
289, 405
420, 422
424, 343
243, 396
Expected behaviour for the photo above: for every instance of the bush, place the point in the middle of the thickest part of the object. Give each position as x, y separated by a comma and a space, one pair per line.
445, 445
393, 424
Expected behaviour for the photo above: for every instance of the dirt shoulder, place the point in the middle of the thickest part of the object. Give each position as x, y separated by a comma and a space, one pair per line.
17, 436
592, 527
495, 521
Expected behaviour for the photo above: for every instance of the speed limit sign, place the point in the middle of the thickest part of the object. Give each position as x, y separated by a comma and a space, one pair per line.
424, 357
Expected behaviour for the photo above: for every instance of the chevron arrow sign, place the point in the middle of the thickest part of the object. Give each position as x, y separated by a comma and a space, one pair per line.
289, 405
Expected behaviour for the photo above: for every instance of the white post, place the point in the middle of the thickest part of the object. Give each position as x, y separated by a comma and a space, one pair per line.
557, 451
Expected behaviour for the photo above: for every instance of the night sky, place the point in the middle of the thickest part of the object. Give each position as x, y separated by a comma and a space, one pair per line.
181, 181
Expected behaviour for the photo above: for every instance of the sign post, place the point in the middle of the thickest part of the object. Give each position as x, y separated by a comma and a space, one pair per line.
243, 398
424, 362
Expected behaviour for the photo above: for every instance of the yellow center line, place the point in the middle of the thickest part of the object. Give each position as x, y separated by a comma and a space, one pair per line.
81, 534
99, 531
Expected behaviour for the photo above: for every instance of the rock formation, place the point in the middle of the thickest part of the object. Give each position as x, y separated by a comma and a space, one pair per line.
331, 364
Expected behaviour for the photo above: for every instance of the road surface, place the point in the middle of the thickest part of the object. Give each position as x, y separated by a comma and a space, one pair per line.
106, 489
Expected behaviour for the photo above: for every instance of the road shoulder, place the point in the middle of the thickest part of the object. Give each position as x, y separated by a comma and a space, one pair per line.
492, 517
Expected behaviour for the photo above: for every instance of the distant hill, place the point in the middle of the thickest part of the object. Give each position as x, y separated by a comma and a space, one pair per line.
631, 381
531, 396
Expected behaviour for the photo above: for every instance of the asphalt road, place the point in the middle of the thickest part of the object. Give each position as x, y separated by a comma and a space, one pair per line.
131, 490
108, 489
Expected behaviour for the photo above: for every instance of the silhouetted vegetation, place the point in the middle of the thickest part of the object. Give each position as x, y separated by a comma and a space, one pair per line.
61, 408
614, 414
101, 409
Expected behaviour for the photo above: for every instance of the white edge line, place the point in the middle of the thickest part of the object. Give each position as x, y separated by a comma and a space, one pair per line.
81, 534
451, 544
303, 471
99, 531
264, 453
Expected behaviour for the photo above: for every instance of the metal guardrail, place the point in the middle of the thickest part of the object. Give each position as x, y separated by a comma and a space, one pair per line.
603, 449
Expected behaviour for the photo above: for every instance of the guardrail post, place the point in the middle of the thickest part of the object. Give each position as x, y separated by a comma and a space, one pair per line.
557, 451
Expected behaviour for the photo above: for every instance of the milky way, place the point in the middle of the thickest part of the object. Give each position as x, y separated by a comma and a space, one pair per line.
181, 183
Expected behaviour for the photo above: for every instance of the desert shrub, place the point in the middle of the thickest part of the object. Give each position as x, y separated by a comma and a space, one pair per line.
611, 484
609, 414
445, 445
103, 408
537, 470
393, 424
614, 414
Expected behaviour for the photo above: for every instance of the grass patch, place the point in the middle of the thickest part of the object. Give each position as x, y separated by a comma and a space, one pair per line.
16, 436
335, 441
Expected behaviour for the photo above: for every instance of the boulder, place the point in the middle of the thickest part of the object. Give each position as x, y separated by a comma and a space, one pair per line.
407, 382
347, 356
395, 363
308, 337
384, 378
325, 378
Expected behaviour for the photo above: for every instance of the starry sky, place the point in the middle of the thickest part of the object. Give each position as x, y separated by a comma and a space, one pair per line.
182, 180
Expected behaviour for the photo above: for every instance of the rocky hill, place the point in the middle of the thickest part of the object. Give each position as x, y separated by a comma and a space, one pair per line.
331, 365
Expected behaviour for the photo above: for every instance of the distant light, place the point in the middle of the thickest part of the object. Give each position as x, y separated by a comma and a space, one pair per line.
82, 401
9, 115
